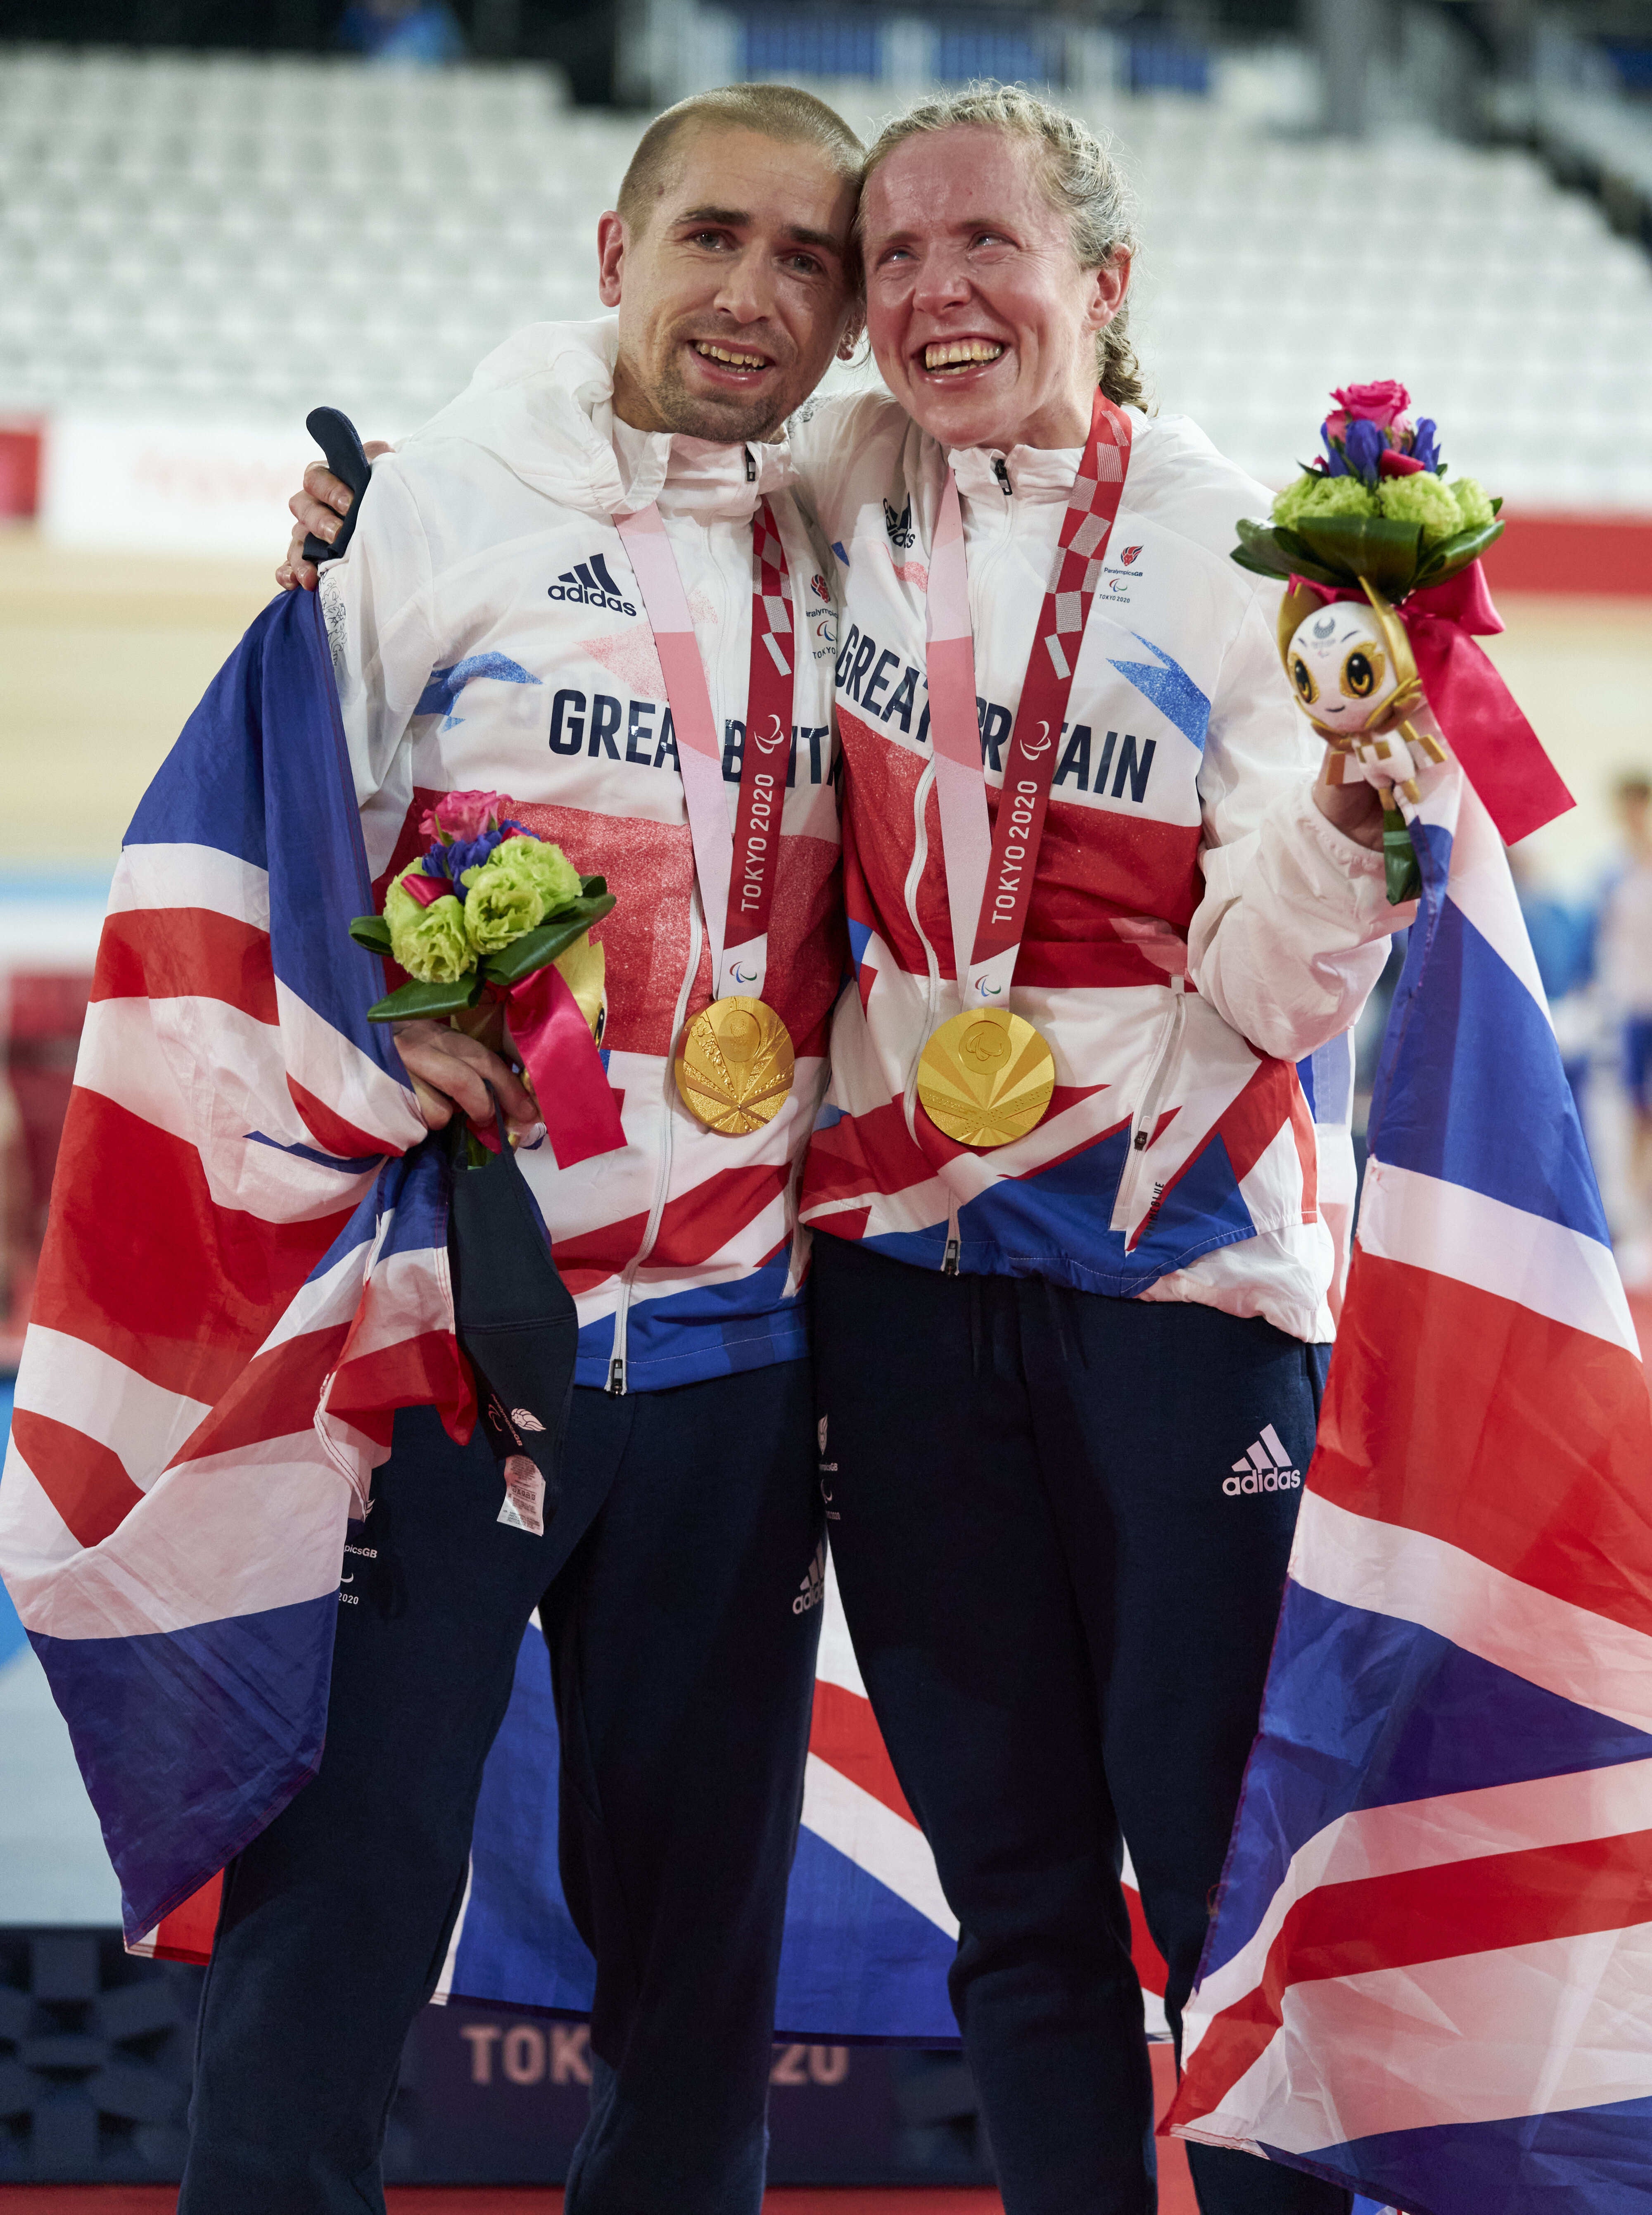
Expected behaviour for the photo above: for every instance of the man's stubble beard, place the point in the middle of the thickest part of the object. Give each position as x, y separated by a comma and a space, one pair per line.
728, 422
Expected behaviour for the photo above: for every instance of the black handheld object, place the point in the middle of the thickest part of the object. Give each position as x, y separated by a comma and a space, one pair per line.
335, 434
515, 1317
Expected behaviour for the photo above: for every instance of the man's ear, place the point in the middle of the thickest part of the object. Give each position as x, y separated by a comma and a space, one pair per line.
610, 257
1112, 283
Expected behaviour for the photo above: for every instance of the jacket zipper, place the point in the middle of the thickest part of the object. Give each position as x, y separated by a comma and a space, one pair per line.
949, 1259
1141, 1135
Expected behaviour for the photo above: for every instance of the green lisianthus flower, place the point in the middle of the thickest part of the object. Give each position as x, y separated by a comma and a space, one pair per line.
1422, 498
1474, 506
522, 882
429, 943
1313, 495
547, 865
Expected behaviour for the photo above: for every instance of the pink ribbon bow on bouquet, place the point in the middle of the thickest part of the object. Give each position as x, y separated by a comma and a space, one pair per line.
562, 1061
576, 1101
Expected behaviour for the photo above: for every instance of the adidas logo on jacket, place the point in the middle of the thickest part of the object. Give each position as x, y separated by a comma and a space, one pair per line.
590, 584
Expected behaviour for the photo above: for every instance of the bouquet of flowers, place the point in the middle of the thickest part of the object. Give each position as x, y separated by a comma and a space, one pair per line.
1376, 506
1380, 556
488, 904
491, 913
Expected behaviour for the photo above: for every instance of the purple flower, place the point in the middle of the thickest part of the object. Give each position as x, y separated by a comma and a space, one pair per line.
1425, 446
1364, 446
1338, 467
454, 857
470, 853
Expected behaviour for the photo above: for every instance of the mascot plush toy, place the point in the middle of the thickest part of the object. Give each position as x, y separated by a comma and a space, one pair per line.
1368, 540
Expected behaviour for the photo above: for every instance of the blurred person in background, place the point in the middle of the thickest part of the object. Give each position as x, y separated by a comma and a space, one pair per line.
1563, 934
409, 34
1035, 1367
1625, 982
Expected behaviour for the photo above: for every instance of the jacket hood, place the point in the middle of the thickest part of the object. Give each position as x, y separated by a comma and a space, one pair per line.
543, 403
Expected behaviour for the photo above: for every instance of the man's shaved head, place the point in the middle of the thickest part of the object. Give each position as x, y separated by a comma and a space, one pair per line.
777, 111
731, 259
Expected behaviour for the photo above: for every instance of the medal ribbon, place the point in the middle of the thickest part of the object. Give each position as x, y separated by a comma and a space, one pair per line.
736, 869
990, 870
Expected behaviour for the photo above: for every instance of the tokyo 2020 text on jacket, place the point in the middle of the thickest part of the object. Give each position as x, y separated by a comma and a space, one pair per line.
488, 632
1197, 927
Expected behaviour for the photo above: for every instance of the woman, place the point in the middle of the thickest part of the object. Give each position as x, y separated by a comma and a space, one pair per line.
1042, 1345
1039, 1361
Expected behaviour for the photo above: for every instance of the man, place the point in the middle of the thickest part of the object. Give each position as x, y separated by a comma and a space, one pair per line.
491, 629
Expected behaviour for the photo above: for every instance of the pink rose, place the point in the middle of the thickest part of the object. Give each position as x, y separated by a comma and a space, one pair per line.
1379, 403
1335, 427
465, 815
1392, 464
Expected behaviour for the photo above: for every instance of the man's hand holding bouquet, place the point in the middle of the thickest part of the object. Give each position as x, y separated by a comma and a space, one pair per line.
491, 926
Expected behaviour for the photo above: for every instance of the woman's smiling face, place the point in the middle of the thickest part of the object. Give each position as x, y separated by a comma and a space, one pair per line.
982, 321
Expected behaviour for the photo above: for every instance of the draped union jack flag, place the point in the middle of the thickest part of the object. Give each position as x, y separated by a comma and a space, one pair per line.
245, 1275
1427, 1977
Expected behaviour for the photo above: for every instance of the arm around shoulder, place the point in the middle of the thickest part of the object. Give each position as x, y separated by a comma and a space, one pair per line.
379, 605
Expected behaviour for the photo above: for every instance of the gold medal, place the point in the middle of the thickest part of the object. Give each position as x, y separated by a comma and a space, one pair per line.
735, 1069
986, 1077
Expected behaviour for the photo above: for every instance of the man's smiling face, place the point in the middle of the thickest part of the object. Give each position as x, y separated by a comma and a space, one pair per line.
734, 292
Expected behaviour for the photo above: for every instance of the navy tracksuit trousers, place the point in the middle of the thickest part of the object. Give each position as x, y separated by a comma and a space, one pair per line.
683, 1679
1064, 1620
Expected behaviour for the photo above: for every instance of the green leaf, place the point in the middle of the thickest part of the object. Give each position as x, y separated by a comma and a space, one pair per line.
1291, 547
1269, 551
1257, 567
1450, 555
410, 1000
1401, 871
592, 888
372, 932
1365, 546
536, 947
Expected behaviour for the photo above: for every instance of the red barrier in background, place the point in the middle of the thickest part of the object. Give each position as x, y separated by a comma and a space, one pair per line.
20, 466
1606, 554
40, 1018
1539, 551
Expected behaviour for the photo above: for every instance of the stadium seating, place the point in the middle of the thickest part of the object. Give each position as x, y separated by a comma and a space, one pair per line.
233, 238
